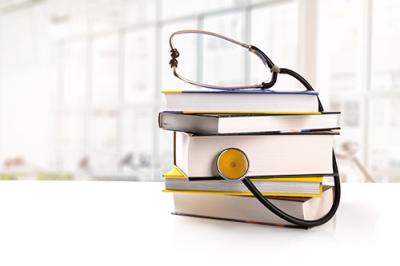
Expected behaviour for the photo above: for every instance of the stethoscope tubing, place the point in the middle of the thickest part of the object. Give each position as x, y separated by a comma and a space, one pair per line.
294, 220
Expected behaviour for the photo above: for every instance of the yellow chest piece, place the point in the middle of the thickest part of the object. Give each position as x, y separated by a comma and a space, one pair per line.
232, 164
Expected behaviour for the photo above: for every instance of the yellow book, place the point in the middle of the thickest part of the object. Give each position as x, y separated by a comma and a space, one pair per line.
175, 172
249, 209
176, 181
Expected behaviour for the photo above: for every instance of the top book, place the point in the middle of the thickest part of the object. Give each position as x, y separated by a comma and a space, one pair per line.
241, 101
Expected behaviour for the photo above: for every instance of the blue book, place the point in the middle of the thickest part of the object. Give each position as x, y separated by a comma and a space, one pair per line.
242, 101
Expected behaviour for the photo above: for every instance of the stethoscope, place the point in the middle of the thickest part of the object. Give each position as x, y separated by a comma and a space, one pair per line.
232, 163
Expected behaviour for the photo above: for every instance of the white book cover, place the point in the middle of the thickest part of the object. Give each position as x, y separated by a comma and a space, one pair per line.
268, 155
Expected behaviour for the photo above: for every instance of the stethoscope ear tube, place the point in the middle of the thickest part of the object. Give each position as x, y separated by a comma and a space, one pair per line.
275, 70
294, 220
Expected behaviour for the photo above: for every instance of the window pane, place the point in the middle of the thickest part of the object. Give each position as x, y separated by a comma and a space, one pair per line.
105, 70
384, 141
137, 12
74, 87
340, 48
139, 66
279, 43
187, 7
193, 7
137, 144
72, 144
224, 62
111, 15
385, 43
103, 145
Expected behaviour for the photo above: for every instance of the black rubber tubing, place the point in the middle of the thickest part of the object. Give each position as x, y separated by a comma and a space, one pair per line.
294, 220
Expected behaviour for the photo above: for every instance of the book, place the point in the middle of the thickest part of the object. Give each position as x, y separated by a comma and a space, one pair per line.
249, 209
284, 154
242, 101
218, 124
176, 181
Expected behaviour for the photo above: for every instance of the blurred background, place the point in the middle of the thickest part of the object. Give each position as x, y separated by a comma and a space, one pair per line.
80, 79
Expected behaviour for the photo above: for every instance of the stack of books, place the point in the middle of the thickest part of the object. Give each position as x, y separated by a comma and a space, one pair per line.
287, 140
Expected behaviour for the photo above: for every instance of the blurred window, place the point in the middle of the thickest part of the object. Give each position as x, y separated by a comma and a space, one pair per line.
219, 55
279, 43
384, 100
98, 66
138, 66
357, 42
105, 67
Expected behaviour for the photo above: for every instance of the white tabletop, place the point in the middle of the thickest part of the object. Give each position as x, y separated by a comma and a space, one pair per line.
129, 223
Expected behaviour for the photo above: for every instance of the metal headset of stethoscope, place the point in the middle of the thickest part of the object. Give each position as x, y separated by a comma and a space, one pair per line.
232, 163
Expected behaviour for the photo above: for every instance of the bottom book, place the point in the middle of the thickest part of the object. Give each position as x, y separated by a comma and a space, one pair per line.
249, 209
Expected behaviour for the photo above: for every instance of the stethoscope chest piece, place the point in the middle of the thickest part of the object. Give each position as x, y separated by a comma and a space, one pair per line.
232, 164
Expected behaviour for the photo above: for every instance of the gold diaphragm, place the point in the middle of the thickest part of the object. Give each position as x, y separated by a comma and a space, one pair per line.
232, 164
